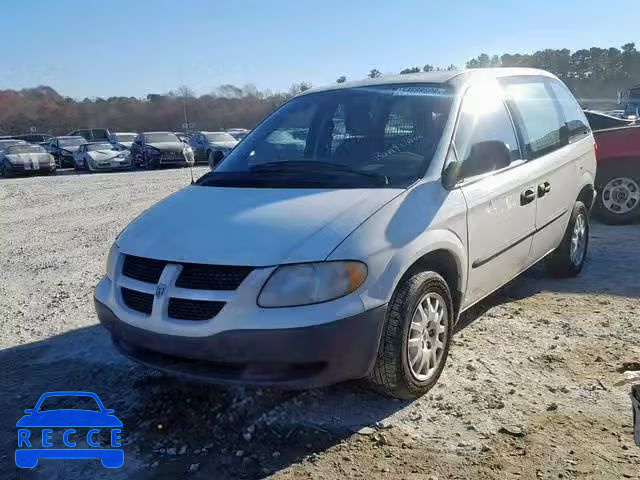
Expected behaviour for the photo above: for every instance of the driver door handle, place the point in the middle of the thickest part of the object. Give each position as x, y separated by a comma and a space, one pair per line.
543, 189
527, 196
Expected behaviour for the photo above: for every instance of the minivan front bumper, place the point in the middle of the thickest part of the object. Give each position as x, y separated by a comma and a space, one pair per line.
300, 357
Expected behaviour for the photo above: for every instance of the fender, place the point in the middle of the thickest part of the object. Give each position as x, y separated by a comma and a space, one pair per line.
430, 241
424, 219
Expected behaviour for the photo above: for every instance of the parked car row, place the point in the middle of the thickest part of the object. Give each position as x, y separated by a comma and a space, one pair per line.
97, 149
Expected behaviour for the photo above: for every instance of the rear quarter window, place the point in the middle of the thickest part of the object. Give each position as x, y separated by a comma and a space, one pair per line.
537, 114
574, 118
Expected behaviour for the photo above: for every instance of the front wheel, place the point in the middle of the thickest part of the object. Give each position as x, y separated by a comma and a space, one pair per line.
568, 259
618, 202
415, 338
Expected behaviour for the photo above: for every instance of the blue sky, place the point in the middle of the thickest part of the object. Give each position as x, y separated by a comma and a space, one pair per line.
128, 47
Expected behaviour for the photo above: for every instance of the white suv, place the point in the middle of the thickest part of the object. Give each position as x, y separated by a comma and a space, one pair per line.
343, 237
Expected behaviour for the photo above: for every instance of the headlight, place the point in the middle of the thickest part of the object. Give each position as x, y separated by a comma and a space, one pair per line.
112, 258
309, 283
188, 154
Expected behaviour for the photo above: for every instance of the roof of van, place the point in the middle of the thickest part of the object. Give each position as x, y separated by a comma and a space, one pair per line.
446, 76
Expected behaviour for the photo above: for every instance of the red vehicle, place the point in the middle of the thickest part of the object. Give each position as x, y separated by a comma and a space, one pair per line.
618, 176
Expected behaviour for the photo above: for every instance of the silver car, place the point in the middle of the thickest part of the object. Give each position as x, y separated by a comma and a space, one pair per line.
343, 237
101, 156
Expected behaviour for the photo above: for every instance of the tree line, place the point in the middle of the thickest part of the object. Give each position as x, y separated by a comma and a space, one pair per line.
595, 76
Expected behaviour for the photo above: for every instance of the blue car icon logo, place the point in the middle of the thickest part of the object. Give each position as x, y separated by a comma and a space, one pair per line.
69, 433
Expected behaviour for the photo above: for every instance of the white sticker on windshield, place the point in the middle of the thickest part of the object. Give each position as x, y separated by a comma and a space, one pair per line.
418, 90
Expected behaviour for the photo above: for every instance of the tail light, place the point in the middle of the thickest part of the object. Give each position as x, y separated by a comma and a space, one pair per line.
595, 150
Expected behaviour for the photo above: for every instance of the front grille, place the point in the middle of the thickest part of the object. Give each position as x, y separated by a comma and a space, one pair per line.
171, 156
211, 277
183, 309
143, 269
139, 301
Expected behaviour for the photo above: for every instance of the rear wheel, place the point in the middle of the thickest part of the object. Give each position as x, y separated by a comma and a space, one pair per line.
568, 259
618, 200
416, 337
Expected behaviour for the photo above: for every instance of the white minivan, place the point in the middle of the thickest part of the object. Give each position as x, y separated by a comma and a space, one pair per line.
343, 236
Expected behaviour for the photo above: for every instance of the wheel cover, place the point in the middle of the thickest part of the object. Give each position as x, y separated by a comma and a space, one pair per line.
427, 336
578, 245
621, 195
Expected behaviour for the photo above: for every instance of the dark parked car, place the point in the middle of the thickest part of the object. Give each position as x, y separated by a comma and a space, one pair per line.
155, 149
91, 134
25, 158
211, 147
63, 148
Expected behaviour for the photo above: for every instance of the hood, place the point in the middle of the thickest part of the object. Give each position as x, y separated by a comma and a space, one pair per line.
228, 144
250, 226
168, 146
21, 158
71, 148
104, 154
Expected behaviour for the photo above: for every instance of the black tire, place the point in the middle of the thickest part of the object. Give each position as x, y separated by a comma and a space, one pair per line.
392, 375
149, 164
608, 214
4, 172
560, 263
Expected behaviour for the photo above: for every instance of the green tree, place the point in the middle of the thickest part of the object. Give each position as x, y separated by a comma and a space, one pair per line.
374, 73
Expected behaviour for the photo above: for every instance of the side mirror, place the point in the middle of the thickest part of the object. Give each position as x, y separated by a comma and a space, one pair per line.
29, 411
450, 175
485, 157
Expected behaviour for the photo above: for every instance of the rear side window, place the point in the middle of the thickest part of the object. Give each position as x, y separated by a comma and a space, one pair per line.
484, 119
574, 118
537, 114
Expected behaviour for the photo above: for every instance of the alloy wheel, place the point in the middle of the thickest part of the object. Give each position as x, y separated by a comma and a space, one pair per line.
427, 336
578, 244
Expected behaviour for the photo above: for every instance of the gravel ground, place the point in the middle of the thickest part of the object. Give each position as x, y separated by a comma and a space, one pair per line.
527, 393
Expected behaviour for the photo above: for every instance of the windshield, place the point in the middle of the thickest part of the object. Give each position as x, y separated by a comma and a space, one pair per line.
25, 149
8, 143
219, 137
382, 135
161, 137
125, 137
71, 142
99, 146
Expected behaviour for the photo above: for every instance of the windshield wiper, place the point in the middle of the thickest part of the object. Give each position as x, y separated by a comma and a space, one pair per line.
316, 165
